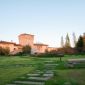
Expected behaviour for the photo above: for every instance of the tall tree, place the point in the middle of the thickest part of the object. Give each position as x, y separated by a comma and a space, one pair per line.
26, 49
62, 42
80, 44
84, 39
74, 39
67, 43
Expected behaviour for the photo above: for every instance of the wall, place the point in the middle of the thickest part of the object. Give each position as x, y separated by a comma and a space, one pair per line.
10, 46
39, 48
26, 39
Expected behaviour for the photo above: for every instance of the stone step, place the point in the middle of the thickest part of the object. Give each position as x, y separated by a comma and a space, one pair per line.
39, 78
29, 82
39, 72
49, 72
48, 75
36, 74
49, 61
50, 64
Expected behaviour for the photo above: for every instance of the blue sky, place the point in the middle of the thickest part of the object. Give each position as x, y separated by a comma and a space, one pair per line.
48, 20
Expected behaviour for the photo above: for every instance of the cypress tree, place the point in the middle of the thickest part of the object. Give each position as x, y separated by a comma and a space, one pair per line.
67, 43
74, 39
62, 42
80, 44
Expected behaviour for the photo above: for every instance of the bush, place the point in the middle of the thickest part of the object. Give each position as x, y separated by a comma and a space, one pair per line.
50, 54
26, 49
68, 50
4, 51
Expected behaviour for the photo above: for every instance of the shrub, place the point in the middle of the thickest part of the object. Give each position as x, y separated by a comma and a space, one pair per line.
4, 51
26, 49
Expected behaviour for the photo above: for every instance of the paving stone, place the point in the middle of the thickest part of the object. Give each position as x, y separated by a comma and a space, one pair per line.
49, 72
49, 61
39, 72
50, 68
48, 75
30, 82
36, 74
50, 64
39, 78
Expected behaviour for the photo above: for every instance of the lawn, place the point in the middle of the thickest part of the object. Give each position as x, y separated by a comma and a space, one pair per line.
13, 67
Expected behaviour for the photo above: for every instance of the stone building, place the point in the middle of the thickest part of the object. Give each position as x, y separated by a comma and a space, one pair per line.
51, 49
25, 39
39, 48
11, 45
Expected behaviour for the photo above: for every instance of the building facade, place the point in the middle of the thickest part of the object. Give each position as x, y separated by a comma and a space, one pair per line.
24, 40
13, 47
39, 48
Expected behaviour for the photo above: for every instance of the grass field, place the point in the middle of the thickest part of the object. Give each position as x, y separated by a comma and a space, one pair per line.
13, 67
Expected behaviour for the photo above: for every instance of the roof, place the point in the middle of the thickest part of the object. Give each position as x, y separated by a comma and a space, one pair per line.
17, 45
52, 47
25, 34
41, 44
6, 42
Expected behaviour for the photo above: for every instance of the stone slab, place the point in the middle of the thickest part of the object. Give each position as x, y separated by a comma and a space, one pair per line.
37, 74
50, 64
30, 82
49, 61
49, 72
48, 75
39, 78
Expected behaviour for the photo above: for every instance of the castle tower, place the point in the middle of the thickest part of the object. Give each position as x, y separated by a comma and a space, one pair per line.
26, 39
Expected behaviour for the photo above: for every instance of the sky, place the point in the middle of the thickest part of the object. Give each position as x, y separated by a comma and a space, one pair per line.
48, 20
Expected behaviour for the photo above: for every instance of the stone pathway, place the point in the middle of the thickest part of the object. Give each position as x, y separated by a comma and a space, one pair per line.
30, 82
38, 77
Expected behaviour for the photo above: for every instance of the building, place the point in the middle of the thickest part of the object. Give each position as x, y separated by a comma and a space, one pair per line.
26, 39
51, 49
11, 45
39, 48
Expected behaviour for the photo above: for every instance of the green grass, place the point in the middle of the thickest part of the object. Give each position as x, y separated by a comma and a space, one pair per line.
12, 67
7, 75
72, 76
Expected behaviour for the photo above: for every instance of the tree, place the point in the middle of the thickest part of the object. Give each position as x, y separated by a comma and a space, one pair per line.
1, 51
74, 39
4, 51
67, 43
80, 44
62, 42
84, 39
26, 49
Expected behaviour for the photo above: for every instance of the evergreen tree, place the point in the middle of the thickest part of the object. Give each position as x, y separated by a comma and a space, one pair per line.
74, 39
80, 44
67, 43
62, 42
84, 39
26, 49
